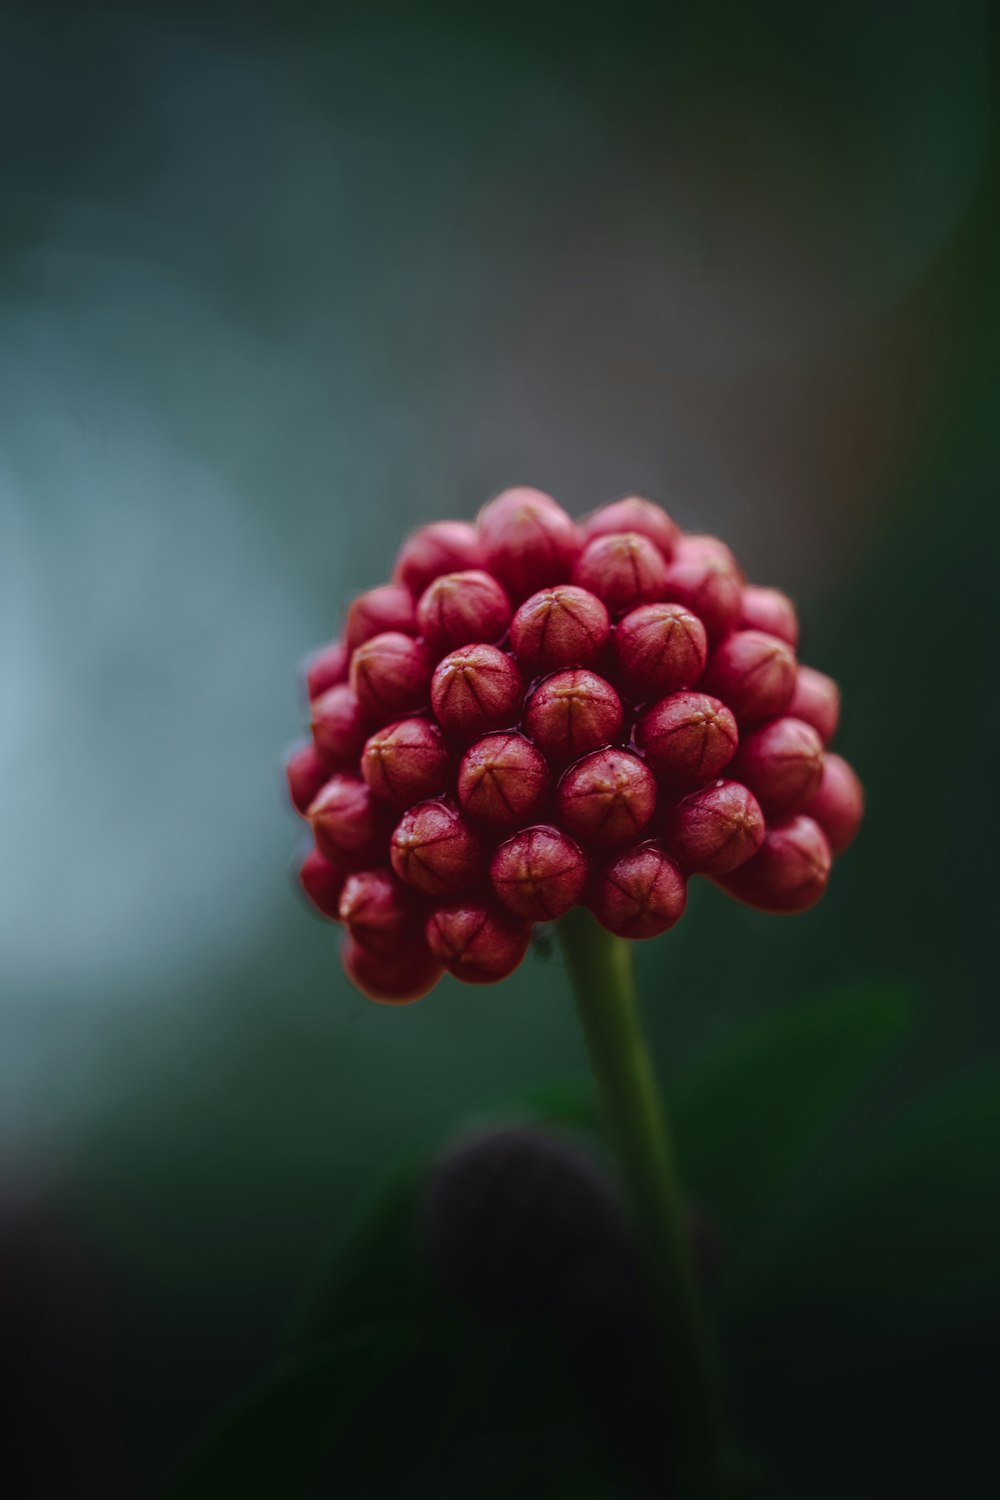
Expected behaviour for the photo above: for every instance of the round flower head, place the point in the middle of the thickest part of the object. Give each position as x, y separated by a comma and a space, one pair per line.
533, 715
406, 762
504, 780
442, 547
476, 689
791, 871
754, 674
391, 675
559, 627
408, 973
715, 829
477, 943
660, 648
461, 607
688, 738
539, 873
624, 569
640, 895
608, 797
633, 514
388, 607
434, 850
571, 713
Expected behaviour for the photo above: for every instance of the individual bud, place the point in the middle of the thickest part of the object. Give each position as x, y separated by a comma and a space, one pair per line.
477, 944
476, 689
442, 547
816, 699
607, 797
791, 871
322, 882
391, 675
839, 804
781, 763
434, 850
640, 895
660, 648
688, 738
539, 873
397, 978
559, 627
338, 727
571, 713
406, 762
529, 541
503, 779
348, 823
461, 607
769, 610
754, 674
715, 829
706, 583
378, 910
633, 514
699, 544
306, 775
326, 667
389, 607
624, 569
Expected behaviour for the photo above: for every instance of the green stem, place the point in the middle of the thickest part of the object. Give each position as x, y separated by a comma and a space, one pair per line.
600, 968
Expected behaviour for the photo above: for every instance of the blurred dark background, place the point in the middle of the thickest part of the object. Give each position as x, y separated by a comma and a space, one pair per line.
280, 283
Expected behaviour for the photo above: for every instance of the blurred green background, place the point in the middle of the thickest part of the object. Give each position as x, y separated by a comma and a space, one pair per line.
279, 284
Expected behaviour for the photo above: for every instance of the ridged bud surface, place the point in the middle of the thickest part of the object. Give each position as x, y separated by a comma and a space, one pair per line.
347, 821
477, 943
660, 648
573, 712
640, 895
476, 689
434, 850
406, 762
706, 585
391, 675
781, 763
460, 608
633, 513
539, 873
529, 541
715, 829
504, 780
624, 569
377, 910
688, 738
791, 871
563, 626
607, 797
754, 675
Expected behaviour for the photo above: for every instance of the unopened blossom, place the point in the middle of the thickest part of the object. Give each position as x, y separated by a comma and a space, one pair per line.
534, 714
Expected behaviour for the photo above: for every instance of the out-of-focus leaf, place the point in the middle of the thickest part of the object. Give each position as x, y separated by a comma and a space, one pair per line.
751, 1111
274, 1439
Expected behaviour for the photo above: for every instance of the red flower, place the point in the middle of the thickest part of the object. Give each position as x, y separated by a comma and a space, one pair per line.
534, 714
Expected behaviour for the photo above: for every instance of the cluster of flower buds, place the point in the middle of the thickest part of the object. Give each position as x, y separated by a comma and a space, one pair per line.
535, 714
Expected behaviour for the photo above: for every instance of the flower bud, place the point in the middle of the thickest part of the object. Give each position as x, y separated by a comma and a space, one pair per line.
322, 883
326, 667
701, 578
839, 804
816, 699
476, 689
633, 514
434, 850
389, 607
754, 674
715, 829
781, 763
571, 713
559, 627
771, 611
348, 823
624, 569
642, 894
476, 943
607, 797
529, 541
306, 775
660, 648
791, 871
378, 910
395, 978
406, 762
688, 738
539, 873
391, 675
461, 607
692, 545
442, 547
503, 779
338, 727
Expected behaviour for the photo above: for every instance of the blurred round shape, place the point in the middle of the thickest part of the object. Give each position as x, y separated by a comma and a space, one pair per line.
781, 763
607, 797
529, 542
396, 978
326, 667
347, 823
715, 829
697, 546
441, 547
458, 608
322, 881
406, 762
339, 728
641, 894
635, 514
624, 569
571, 713
769, 610
476, 689
391, 675
504, 780
708, 586
386, 608
477, 943
434, 850
688, 738
539, 873
377, 910
839, 804
306, 776
789, 873
660, 648
754, 675
563, 626
816, 699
